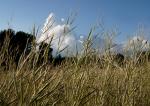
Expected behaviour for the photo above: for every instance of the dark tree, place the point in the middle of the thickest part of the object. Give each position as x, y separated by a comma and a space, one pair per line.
6, 36
21, 43
119, 58
58, 60
45, 53
13, 45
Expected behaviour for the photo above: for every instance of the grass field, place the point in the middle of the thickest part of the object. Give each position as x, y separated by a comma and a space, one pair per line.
85, 80
75, 83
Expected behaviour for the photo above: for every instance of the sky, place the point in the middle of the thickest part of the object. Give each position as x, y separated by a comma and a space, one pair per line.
125, 15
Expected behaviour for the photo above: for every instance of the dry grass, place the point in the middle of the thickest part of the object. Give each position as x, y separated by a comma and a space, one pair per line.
86, 82
76, 84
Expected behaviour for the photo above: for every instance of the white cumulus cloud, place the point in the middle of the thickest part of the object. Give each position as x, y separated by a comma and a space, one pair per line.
59, 36
61, 39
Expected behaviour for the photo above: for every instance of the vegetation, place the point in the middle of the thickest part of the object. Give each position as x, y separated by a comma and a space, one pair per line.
30, 78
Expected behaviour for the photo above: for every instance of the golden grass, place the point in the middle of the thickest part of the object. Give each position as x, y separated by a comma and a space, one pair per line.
73, 84
83, 82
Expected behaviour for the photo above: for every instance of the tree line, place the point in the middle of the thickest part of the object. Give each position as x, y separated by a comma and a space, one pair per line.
15, 44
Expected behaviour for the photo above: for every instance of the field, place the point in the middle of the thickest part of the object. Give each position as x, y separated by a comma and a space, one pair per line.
74, 53
83, 82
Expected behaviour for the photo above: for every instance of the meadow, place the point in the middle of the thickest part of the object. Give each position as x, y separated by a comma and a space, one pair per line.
87, 80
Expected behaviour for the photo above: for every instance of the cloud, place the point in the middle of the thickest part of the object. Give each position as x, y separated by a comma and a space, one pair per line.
59, 36
61, 39
136, 43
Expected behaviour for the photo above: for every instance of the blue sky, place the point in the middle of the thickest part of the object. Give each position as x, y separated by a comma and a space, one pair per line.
126, 15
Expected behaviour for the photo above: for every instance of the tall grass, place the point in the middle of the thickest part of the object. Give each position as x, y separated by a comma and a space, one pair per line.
87, 81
